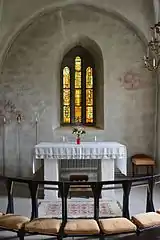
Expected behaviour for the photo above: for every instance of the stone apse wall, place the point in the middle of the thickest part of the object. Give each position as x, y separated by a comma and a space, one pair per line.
31, 81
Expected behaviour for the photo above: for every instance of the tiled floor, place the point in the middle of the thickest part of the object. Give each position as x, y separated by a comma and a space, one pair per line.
137, 205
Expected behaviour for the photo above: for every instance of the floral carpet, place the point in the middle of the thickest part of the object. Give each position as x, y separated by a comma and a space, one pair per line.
80, 209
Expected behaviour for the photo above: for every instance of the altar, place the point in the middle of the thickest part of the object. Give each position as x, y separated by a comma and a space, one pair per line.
85, 157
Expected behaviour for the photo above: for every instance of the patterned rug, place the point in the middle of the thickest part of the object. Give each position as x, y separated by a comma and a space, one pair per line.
80, 208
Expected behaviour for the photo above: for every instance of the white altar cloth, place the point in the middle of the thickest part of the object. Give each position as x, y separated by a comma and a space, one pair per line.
85, 150
109, 153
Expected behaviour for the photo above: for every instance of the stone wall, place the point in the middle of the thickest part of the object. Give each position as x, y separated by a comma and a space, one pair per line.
32, 45
31, 81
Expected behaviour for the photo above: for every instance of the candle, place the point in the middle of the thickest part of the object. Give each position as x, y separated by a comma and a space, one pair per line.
95, 138
4, 120
37, 117
147, 52
154, 62
155, 34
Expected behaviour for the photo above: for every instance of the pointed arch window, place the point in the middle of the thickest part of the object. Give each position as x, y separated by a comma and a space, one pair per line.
78, 88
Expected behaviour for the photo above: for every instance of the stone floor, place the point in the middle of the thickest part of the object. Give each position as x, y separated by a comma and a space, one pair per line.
137, 205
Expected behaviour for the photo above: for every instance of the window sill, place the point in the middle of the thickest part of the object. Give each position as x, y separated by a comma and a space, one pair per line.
68, 129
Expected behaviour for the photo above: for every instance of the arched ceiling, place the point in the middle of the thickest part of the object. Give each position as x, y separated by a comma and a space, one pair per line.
119, 11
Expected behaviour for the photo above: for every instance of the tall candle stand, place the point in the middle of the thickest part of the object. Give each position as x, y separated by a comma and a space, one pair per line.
3, 145
36, 123
36, 129
19, 119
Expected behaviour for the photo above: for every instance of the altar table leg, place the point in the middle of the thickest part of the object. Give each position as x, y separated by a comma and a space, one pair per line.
51, 173
107, 174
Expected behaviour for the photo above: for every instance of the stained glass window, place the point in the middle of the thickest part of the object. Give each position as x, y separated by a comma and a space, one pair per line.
78, 87
78, 114
89, 114
77, 97
89, 95
66, 95
89, 78
66, 77
78, 91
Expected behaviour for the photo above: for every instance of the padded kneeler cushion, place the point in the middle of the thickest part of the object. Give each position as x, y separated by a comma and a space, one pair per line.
43, 226
146, 220
116, 226
81, 226
11, 221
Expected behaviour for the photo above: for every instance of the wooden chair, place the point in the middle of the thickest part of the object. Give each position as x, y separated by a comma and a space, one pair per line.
142, 160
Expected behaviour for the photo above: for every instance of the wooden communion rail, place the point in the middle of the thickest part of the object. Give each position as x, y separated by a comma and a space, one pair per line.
143, 225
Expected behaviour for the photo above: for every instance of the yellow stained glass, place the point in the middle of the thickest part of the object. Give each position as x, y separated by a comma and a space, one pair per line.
66, 114
77, 72
78, 92
66, 97
78, 114
89, 78
89, 114
77, 79
78, 97
89, 97
66, 77
78, 64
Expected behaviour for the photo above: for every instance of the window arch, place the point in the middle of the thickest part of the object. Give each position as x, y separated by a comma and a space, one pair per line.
78, 79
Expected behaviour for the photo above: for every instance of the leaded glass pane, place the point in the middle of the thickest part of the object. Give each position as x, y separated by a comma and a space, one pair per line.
77, 79
77, 90
89, 78
66, 97
66, 114
89, 114
78, 113
89, 97
77, 97
66, 77
78, 72
77, 63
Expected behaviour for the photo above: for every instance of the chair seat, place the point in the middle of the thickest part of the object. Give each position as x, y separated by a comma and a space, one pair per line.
116, 226
143, 161
43, 226
81, 226
11, 221
145, 220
